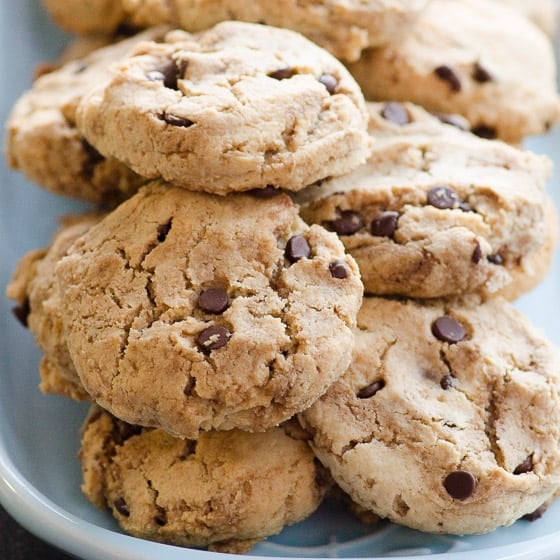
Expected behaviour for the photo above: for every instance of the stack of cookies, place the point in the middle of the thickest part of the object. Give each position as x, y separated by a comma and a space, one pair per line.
283, 287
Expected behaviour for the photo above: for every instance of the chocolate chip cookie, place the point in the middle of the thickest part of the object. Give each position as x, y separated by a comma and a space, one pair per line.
188, 311
476, 58
227, 490
436, 211
236, 107
448, 418
341, 26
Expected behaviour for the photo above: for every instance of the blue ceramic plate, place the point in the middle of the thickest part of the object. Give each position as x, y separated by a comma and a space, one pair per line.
39, 471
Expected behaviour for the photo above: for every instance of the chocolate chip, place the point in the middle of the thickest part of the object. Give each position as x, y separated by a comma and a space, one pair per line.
348, 223
168, 73
329, 81
484, 131
282, 73
213, 300
212, 338
449, 75
477, 253
454, 120
174, 120
163, 230
537, 514
496, 258
297, 248
160, 518
182, 66
120, 505
395, 112
442, 197
21, 312
189, 387
447, 329
446, 382
460, 485
371, 389
465, 206
385, 224
480, 74
525, 467
338, 269
269, 191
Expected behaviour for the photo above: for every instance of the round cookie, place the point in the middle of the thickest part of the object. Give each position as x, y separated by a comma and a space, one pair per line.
236, 107
448, 418
187, 311
476, 58
343, 27
435, 211
42, 140
34, 288
227, 490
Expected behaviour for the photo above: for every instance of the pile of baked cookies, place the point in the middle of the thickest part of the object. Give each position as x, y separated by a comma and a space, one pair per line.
283, 288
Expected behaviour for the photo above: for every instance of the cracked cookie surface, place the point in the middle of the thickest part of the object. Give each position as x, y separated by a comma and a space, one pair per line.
436, 211
447, 420
34, 288
189, 311
476, 58
235, 107
344, 27
227, 490
43, 142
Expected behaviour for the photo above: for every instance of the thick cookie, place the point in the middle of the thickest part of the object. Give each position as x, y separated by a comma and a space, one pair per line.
34, 289
436, 211
476, 58
344, 27
227, 490
447, 419
188, 311
237, 107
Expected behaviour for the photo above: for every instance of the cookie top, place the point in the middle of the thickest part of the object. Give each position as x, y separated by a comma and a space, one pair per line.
42, 140
188, 311
476, 58
447, 419
33, 287
237, 107
435, 212
227, 490
341, 26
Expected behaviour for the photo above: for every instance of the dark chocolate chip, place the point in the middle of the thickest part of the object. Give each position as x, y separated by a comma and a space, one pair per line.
395, 112
338, 269
449, 75
213, 300
460, 485
282, 73
348, 223
189, 387
212, 338
329, 81
446, 382
182, 66
120, 505
168, 73
21, 312
454, 120
447, 329
269, 191
385, 224
537, 514
484, 131
174, 120
496, 258
442, 197
160, 518
163, 230
297, 248
371, 389
480, 74
477, 253
525, 467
